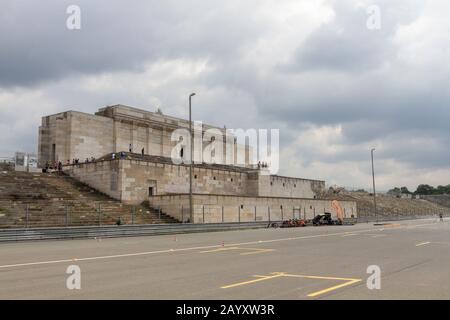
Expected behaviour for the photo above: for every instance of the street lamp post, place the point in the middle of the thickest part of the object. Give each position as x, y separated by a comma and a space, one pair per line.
373, 181
191, 216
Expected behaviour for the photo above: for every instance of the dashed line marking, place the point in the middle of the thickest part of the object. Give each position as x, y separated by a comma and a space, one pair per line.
255, 251
36, 263
422, 244
220, 250
251, 250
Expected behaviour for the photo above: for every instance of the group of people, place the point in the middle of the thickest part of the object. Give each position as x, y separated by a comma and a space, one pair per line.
130, 149
262, 165
122, 155
89, 160
58, 165
77, 160
55, 165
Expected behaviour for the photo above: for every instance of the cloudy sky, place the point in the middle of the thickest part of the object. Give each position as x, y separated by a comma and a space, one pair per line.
320, 71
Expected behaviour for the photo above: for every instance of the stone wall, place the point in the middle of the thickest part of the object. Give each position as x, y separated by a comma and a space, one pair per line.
138, 176
220, 208
53, 133
277, 186
90, 136
104, 176
138, 179
70, 135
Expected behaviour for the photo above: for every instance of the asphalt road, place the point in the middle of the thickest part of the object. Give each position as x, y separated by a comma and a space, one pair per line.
300, 263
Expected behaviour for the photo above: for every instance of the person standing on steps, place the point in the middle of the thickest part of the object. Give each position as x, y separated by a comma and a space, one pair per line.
130, 148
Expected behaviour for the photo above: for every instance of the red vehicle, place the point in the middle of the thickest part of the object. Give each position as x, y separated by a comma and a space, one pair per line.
291, 223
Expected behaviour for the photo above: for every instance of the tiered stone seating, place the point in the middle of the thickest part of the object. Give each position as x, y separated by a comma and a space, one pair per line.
388, 206
52, 199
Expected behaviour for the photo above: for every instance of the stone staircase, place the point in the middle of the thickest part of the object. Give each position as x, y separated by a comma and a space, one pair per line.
52, 199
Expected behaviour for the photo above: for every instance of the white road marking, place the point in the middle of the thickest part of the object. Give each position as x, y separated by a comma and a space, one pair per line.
172, 250
182, 249
422, 244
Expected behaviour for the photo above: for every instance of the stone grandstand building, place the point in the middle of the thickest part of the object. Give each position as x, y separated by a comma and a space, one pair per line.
230, 191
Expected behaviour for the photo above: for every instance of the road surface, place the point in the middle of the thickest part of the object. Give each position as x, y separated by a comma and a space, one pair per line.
329, 262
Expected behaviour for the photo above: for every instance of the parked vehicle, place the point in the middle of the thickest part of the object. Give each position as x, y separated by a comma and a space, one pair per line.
291, 223
323, 219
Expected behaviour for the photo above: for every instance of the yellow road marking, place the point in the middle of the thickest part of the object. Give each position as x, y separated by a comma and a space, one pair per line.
251, 250
422, 244
261, 278
317, 293
255, 251
392, 225
348, 281
145, 253
364, 234
319, 277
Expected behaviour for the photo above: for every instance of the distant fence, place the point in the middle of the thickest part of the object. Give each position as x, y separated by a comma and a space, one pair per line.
7, 235
31, 216
216, 213
368, 214
396, 218
239, 213
34, 216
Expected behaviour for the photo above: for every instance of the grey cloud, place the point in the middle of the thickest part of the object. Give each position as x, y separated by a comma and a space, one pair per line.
114, 36
346, 44
342, 74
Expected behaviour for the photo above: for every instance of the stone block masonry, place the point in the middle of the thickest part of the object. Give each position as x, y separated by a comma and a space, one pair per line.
222, 208
228, 192
134, 179
76, 135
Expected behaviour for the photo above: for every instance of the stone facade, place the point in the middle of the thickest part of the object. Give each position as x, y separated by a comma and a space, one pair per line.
221, 208
104, 176
133, 180
69, 135
236, 191
76, 135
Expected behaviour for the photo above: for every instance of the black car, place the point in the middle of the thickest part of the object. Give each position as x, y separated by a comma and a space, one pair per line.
323, 219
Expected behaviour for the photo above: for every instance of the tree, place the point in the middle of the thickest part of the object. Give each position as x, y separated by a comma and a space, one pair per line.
443, 189
405, 190
424, 189
396, 192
